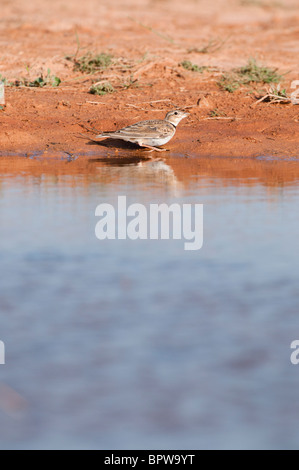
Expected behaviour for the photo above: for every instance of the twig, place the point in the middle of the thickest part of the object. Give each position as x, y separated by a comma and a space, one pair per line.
260, 100
140, 109
152, 30
89, 138
275, 99
191, 106
78, 45
99, 82
89, 129
220, 117
155, 101
212, 46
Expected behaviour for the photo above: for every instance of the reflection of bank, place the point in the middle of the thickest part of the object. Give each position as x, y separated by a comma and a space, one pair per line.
2, 353
170, 175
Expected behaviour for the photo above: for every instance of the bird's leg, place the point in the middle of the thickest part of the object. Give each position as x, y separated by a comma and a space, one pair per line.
156, 149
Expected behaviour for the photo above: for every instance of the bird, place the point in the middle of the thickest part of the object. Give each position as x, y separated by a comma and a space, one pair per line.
149, 134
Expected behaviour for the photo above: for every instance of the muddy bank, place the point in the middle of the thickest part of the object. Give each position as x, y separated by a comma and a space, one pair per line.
149, 40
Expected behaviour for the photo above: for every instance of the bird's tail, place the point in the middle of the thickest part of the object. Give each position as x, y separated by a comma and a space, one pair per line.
87, 137
111, 135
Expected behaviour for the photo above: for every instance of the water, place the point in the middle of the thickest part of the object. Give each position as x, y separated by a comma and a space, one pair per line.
140, 344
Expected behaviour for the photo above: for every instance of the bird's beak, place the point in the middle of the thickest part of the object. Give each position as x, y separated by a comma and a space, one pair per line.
186, 114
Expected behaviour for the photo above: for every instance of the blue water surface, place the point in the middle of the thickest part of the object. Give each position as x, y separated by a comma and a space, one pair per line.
122, 344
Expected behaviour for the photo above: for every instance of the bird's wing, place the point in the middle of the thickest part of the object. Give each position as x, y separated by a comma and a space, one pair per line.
150, 129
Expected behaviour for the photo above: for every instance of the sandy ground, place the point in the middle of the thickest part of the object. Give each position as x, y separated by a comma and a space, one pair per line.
148, 40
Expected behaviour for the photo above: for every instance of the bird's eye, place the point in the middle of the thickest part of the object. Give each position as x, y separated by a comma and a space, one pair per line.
176, 113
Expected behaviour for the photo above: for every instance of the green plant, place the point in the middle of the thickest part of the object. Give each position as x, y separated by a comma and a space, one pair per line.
3, 79
42, 81
91, 63
212, 46
187, 65
39, 82
229, 82
130, 83
27, 67
101, 88
250, 73
216, 113
276, 91
275, 95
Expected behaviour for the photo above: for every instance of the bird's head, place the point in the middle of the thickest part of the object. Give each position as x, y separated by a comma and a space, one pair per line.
175, 116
